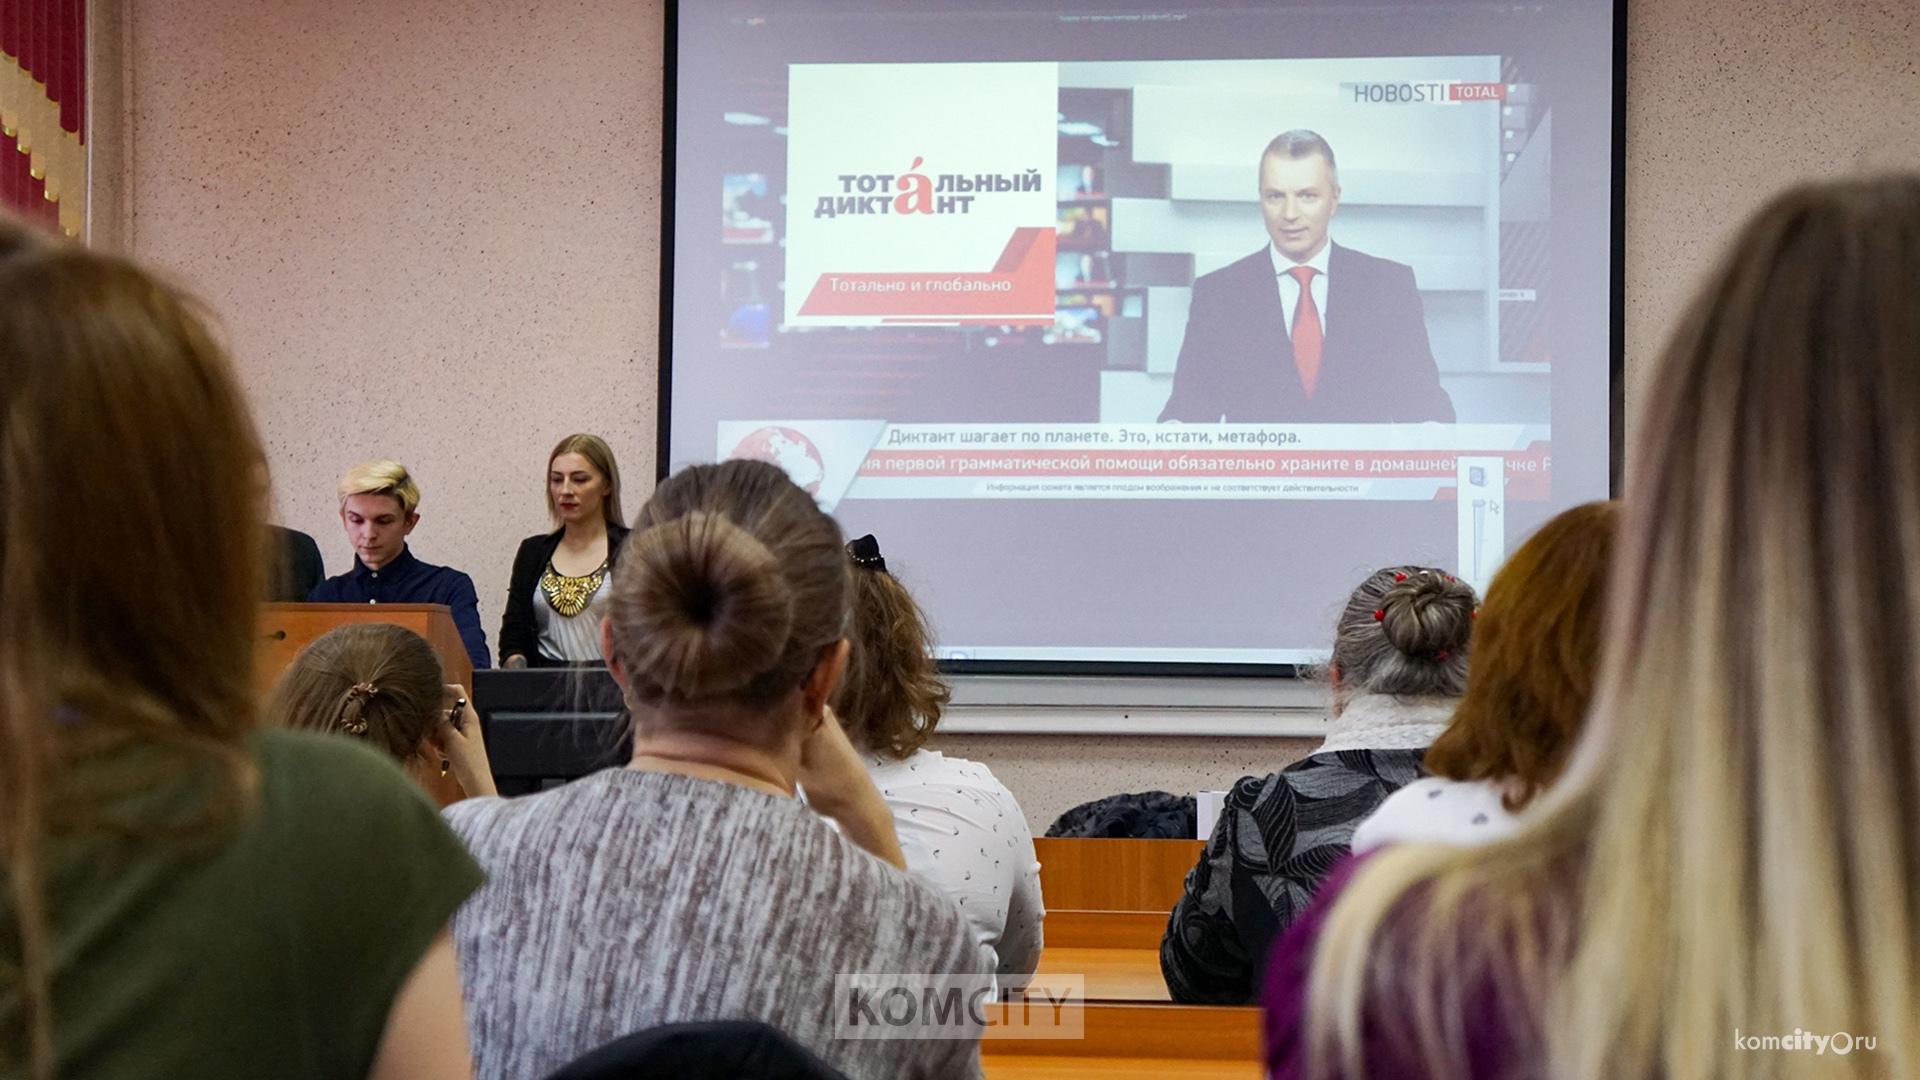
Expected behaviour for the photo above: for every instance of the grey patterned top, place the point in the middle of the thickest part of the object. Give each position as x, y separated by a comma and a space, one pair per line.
1277, 837
630, 899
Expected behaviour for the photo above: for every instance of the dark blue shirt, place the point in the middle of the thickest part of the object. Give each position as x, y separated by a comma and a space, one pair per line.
407, 580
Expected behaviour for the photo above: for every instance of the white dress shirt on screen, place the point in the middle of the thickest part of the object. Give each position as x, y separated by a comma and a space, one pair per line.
1290, 285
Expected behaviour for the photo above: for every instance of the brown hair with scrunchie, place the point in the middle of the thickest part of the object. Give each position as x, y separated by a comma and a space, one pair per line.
372, 681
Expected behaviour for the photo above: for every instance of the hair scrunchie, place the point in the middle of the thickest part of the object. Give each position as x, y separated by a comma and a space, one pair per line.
352, 720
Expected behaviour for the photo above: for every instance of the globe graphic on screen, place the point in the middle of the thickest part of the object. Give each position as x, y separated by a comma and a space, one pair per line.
793, 452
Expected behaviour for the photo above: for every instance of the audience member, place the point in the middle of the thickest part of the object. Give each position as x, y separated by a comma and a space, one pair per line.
383, 684
1398, 666
379, 506
1732, 855
959, 826
692, 885
558, 590
186, 896
1536, 650
295, 567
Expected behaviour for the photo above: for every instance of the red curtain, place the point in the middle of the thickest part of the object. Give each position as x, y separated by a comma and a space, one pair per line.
43, 118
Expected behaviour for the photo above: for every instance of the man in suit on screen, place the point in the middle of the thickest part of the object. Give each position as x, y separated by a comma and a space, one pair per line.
1305, 330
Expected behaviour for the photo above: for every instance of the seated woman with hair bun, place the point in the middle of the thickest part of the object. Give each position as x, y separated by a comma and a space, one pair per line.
1398, 667
1535, 658
959, 826
692, 884
382, 684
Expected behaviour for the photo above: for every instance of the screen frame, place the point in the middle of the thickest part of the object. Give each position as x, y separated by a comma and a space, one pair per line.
1616, 365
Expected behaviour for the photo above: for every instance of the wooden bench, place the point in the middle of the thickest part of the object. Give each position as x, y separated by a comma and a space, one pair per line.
1118, 952
1113, 875
1124, 1041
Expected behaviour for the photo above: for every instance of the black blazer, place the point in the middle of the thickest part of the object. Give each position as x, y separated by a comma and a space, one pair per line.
519, 632
296, 566
1376, 366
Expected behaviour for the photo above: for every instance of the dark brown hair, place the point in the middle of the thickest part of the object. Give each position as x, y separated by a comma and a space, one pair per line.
1536, 652
1405, 632
892, 695
730, 588
373, 681
126, 619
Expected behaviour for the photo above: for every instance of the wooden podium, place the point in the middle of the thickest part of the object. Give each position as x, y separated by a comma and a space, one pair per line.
285, 629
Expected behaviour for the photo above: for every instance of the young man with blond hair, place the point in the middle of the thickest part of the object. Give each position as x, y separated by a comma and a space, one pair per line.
379, 506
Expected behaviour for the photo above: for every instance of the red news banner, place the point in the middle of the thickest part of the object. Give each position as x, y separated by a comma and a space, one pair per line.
1353, 461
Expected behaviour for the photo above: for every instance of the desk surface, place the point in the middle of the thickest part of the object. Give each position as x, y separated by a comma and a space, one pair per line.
1111, 974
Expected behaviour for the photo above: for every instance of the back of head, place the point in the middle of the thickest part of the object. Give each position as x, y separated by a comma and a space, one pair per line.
132, 547
730, 589
892, 694
1733, 840
1759, 660
1536, 652
382, 476
1404, 632
372, 681
132, 560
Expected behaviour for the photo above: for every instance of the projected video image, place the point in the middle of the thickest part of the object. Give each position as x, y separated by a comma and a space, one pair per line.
1059, 317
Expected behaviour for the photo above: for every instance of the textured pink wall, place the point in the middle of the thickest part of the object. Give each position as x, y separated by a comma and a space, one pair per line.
432, 227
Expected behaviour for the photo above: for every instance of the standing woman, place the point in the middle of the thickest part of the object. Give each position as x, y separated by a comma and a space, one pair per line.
560, 578
183, 894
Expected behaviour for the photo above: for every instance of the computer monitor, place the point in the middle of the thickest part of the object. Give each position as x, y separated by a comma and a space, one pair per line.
544, 725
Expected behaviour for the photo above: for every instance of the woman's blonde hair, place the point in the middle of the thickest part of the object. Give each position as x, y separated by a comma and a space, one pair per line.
127, 613
382, 477
600, 456
372, 681
1734, 843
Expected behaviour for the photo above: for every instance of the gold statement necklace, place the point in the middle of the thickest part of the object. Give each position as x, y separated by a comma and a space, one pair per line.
570, 595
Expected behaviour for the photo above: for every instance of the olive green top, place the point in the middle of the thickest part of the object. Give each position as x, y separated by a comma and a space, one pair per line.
273, 947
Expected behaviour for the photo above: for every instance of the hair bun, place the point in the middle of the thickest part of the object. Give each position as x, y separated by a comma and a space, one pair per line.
1428, 613
707, 604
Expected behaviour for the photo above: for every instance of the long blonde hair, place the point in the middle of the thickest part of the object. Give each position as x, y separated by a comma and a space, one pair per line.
132, 563
600, 456
1733, 847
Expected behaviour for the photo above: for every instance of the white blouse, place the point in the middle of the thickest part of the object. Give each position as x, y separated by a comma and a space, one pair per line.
1435, 810
961, 829
576, 639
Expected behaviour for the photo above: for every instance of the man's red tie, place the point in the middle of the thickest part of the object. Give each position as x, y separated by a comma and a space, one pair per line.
1306, 330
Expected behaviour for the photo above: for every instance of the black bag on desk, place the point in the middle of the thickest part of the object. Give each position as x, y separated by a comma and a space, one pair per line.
1149, 815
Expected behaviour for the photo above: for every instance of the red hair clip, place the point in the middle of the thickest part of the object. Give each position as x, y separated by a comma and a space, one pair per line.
1442, 655
1399, 577
1379, 613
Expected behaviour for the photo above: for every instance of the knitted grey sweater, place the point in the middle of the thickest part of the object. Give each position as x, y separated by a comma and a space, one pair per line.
630, 899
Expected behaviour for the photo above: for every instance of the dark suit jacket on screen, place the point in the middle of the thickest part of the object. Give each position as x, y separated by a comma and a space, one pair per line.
1376, 365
